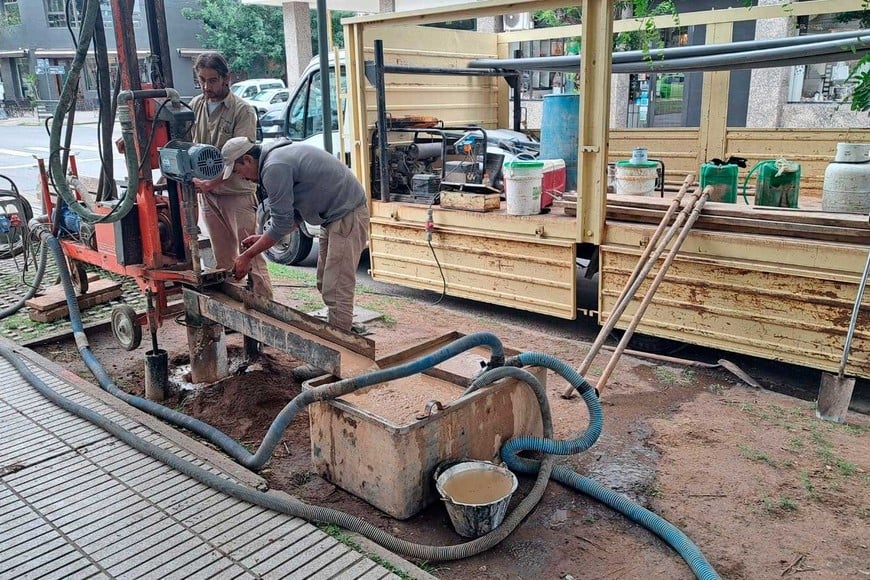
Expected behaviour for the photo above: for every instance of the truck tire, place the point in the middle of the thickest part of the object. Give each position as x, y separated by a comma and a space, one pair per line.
291, 250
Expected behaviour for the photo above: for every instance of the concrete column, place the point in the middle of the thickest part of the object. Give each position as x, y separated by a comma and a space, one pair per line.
490, 24
297, 39
619, 87
208, 352
768, 87
207, 343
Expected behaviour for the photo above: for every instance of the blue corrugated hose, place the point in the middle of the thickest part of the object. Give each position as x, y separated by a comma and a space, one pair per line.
656, 524
543, 470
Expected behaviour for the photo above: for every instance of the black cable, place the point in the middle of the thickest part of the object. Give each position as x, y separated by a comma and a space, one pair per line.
443, 279
66, 13
145, 152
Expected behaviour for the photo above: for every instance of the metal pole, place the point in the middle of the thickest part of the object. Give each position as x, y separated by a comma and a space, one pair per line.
323, 53
517, 96
161, 65
380, 90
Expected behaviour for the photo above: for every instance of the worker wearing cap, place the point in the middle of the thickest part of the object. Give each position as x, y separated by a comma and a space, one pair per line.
229, 207
302, 182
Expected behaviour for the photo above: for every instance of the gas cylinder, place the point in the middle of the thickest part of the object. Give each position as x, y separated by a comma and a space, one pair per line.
777, 183
847, 180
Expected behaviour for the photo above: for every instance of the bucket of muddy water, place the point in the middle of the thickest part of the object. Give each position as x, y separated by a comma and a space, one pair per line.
477, 494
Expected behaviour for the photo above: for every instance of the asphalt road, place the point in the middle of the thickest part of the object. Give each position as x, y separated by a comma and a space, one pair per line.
21, 145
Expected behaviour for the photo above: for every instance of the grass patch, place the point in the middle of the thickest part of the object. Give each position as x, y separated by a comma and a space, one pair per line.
673, 378
288, 273
808, 486
778, 505
795, 444
756, 455
846, 468
340, 535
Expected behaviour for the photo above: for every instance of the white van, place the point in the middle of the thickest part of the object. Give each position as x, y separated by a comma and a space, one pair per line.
249, 88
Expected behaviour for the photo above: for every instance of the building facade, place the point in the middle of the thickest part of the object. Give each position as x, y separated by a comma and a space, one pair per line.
37, 48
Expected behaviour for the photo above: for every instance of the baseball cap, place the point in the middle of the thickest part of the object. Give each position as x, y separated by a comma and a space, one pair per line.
232, 151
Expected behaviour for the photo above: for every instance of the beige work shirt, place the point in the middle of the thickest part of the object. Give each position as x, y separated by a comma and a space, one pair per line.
233, 117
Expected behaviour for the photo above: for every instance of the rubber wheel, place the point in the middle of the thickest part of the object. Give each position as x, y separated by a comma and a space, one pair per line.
125, 327
291, 250
79, 276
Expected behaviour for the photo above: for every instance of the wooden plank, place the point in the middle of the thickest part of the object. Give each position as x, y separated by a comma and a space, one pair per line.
55, 297
85, 302
470, 201
52, 305
528, 272
284, 336
749, 226
797, 218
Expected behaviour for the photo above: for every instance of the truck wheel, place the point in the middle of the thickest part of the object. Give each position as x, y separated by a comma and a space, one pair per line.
291, 250
125, 327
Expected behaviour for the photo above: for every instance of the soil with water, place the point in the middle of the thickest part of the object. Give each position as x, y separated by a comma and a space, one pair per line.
751, 476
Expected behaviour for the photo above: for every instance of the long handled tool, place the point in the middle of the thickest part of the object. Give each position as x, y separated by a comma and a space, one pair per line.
835, 391
643, 267
696, 208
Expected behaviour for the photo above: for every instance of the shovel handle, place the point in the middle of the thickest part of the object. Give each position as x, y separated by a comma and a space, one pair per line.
854, 320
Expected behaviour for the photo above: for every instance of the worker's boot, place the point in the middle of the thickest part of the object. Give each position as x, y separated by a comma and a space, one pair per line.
307, 372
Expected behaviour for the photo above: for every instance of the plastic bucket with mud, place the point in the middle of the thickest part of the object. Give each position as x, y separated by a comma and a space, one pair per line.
477, 494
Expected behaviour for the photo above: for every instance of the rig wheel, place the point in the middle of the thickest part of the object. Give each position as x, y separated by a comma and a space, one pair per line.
125, 327
79, 276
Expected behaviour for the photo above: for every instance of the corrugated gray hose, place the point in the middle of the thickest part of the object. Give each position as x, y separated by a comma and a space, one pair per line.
316, 513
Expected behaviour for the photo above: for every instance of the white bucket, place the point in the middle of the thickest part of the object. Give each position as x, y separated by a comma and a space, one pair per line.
489, 489
636, 180
522, 186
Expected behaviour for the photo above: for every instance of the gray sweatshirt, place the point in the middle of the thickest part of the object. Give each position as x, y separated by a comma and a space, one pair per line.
306, 183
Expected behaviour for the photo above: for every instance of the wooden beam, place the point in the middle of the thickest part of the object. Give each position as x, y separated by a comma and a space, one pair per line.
693, 18
358, 344
595, 67
714, 102
226, 311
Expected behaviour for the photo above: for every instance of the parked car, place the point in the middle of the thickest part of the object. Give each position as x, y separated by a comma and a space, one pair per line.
249, 88
272, 122
269, 99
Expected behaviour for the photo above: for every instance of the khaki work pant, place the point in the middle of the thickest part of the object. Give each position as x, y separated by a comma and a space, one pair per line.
230, 219
341, 245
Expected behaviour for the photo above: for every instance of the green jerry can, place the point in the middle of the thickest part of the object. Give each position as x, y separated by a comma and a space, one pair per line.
777, 183
723, 180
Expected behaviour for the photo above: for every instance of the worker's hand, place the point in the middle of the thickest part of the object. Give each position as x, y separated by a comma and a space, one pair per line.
206, 185
249, 241
241, 267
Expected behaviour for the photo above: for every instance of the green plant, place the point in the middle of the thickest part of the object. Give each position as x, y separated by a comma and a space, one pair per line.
781, 504
845, 467
670, 377
787, 504
808, 485
341, 536
860, 75
755, 455
795, 443
32, 82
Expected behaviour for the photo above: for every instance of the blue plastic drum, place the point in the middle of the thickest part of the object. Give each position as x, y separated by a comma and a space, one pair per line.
560, 125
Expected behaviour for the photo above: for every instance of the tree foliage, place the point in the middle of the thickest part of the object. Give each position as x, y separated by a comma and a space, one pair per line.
337, 29
251, 37
648, 38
